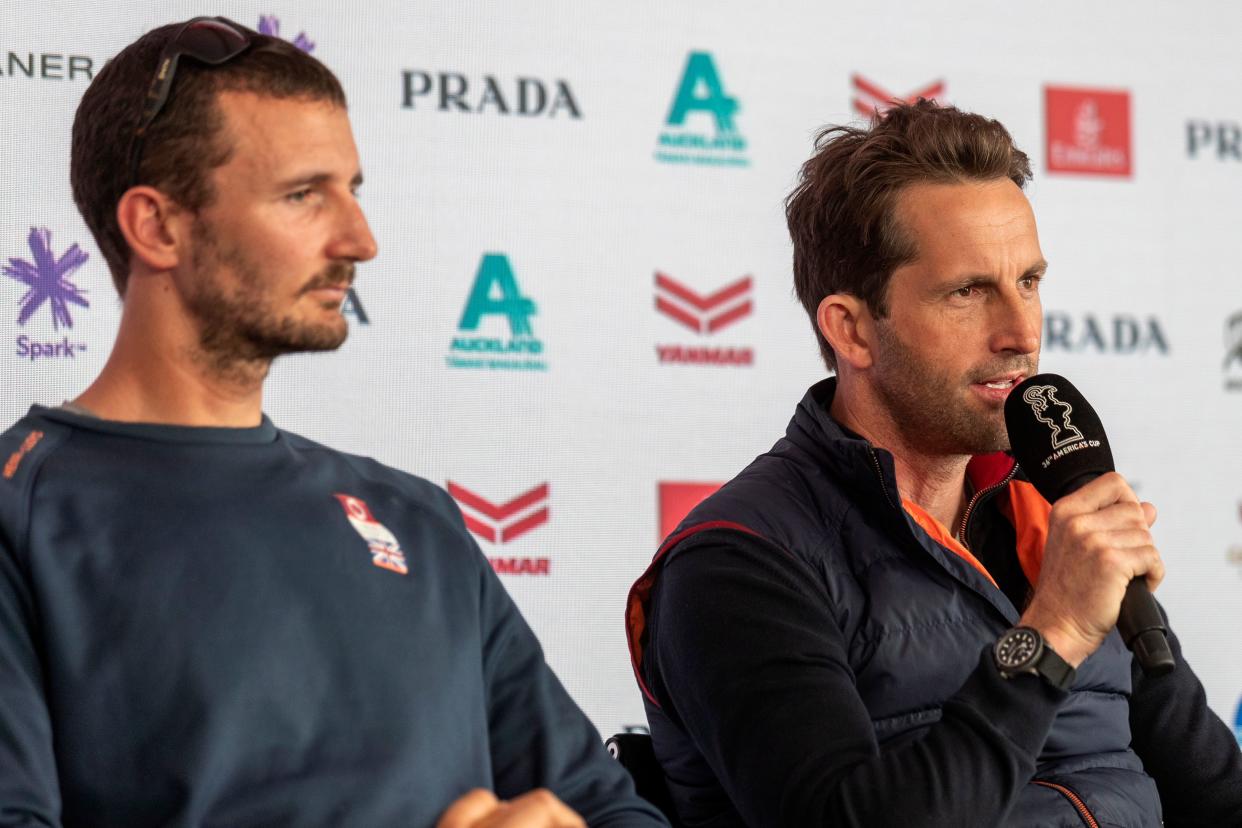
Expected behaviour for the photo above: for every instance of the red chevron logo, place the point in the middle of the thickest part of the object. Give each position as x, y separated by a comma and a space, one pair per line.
871, 99
703, 314
677, 499
502, 522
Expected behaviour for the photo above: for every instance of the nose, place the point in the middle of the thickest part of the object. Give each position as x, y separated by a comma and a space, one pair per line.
1017, 328
353, 240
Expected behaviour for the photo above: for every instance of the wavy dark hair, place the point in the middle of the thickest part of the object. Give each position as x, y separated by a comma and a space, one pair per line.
842, 215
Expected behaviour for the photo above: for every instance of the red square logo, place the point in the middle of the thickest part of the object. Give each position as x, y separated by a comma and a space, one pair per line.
676, 501
1088, 131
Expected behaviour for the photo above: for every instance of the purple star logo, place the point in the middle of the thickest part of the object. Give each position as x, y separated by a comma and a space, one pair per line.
48, 279
269, 24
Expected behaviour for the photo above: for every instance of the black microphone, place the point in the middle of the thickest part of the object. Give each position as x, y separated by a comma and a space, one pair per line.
1060, 443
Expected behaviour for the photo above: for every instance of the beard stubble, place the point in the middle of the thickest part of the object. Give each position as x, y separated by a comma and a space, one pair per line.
925, 400
243, 322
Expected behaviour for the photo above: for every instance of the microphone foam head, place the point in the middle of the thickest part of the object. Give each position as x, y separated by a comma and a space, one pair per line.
1056, 435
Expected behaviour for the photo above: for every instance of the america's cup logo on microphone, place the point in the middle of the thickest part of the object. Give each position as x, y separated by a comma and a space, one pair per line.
1044, 403
1040, 410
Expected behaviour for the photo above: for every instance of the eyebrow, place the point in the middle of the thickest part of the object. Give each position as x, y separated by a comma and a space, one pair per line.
315, 179
1037, 269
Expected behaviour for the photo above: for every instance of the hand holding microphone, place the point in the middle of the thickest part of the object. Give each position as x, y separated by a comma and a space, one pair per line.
1100, 562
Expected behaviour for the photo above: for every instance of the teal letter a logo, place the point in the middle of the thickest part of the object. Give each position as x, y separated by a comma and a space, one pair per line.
496, 291
701, 91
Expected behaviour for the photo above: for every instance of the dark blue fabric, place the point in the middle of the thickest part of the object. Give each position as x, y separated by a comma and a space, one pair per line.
912, 619
192, 633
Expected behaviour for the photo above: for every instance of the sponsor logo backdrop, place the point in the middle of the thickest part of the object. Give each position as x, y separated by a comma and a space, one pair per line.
581, 318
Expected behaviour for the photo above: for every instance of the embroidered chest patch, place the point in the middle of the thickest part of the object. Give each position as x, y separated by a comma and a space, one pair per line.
385, 551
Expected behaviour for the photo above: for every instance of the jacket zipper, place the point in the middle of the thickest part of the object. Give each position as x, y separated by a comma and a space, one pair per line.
880, 474
974, 501
1074, 799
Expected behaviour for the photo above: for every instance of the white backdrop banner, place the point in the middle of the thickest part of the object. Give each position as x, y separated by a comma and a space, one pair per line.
582, 317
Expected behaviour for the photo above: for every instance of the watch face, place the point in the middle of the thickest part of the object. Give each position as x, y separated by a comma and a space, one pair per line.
1017, 648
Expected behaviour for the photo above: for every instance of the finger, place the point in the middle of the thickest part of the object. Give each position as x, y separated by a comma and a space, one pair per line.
539, 809
1128, 494
1118, 517
469, 809
1105, 490
1129, 539
1155, 570
1149, 512
1139, 562
1094, 530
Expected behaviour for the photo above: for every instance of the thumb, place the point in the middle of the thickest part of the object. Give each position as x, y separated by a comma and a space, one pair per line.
469, 809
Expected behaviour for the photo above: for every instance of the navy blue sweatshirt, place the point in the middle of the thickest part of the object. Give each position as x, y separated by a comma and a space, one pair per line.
214, 626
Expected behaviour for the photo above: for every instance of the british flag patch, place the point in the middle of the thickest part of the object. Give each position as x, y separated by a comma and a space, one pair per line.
385, 551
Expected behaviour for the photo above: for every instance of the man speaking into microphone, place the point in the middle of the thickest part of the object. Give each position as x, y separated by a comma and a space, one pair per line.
882, 621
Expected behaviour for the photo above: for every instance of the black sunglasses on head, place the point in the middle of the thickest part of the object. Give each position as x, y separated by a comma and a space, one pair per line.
209, 40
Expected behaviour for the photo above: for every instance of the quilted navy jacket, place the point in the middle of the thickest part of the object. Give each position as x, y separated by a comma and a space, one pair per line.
812, 651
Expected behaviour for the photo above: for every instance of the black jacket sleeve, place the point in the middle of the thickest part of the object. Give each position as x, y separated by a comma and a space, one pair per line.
1186, 748
745, 654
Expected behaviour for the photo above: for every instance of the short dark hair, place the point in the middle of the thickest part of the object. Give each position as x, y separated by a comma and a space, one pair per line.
842, 215
184, 143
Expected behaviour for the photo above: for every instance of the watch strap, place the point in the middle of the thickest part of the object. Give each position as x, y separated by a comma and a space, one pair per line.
1055, 670
1024, 650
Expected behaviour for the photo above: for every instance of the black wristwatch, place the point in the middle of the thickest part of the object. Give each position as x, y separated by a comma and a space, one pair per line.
1023, 650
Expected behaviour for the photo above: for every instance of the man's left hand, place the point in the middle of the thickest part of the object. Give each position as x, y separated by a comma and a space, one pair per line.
537, 809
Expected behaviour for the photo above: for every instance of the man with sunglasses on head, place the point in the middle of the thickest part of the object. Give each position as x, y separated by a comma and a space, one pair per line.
205, 620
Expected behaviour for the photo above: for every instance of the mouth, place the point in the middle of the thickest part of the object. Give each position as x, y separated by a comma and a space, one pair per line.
336, 292
1001, 384
333, 281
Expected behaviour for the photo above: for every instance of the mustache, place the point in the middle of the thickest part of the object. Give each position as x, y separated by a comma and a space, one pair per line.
1027, 365
335, 275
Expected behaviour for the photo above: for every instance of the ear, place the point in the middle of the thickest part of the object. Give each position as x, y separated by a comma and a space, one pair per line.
847, 324
154, 226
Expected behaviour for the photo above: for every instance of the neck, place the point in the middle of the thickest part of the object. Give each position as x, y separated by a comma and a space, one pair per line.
936, 482
158, 372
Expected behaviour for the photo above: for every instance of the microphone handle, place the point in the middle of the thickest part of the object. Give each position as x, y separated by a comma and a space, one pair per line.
1143, 631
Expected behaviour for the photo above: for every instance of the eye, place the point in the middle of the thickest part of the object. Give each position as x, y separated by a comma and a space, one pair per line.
1029, 282
299, 196
966, 291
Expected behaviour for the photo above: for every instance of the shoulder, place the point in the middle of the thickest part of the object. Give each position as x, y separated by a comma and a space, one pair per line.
791, 504
411, 489
24, 448
26, 444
